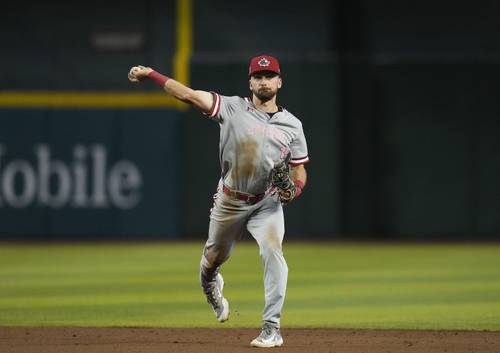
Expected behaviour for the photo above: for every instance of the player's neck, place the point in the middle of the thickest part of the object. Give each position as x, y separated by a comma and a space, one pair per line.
268, 106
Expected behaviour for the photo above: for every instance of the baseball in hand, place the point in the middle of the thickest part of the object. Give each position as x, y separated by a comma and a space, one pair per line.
138, 73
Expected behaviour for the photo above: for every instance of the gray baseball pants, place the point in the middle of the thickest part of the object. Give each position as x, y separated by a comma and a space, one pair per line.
229, 220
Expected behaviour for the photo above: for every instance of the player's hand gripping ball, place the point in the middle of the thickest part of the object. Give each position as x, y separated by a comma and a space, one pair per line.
138, 73
280, 179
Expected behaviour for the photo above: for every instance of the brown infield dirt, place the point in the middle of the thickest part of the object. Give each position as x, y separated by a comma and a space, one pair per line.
152, 340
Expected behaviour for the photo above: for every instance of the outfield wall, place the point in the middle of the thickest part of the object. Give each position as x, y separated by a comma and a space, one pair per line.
88, 173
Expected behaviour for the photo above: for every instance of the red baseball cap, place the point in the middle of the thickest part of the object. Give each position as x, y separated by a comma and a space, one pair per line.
264, 63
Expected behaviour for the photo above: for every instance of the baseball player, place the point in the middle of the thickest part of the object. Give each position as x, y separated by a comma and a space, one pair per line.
262, 155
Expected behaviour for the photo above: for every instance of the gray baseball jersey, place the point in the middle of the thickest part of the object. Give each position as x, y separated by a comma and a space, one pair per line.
252, 142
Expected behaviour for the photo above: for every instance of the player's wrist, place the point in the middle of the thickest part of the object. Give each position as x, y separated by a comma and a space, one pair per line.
299, 185
158, 78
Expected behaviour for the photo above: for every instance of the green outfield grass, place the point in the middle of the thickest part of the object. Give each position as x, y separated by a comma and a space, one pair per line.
330, 285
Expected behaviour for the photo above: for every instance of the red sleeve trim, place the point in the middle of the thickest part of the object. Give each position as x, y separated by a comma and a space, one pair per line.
215, 106
299, 163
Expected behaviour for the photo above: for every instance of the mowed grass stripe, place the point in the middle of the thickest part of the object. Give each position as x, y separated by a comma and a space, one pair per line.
295, 298
330, 285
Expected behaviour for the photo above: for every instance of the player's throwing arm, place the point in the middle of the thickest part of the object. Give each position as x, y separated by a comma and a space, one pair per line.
201, 100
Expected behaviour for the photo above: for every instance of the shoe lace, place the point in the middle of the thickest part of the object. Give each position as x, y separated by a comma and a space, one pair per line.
267, 330
211, 296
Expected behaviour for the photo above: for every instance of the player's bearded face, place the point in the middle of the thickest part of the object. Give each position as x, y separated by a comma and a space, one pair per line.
265, 87
265, 94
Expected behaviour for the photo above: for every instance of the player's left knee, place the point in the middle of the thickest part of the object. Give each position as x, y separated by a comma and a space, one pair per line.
273, 241
271, 253
216, 255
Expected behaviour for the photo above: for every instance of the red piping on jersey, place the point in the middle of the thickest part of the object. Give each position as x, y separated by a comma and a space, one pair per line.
215, 106
299, 161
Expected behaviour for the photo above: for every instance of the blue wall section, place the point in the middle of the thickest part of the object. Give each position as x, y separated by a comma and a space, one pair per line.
89, 173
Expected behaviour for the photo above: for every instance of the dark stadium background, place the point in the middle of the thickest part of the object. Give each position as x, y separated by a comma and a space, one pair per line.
399, 101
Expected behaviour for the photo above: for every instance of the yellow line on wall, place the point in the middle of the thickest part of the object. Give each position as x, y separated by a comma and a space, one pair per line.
184, 40
125, 99
87, 100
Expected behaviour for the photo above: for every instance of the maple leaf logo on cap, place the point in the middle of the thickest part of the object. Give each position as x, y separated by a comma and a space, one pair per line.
264, 62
